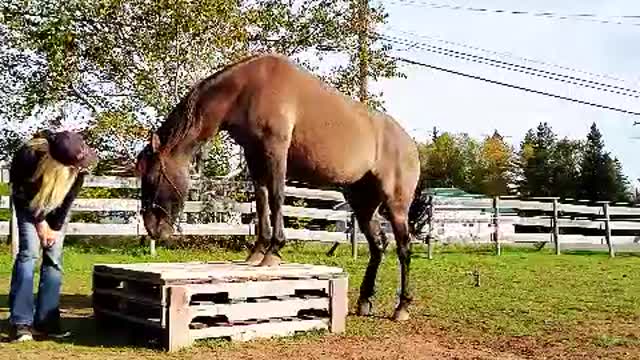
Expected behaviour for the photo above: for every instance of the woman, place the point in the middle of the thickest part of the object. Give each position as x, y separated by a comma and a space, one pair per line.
46, 175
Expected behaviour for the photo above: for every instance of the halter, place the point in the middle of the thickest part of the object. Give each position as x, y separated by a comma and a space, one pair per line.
152, 204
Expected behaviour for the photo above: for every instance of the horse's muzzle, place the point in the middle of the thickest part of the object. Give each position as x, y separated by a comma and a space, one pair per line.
157, 228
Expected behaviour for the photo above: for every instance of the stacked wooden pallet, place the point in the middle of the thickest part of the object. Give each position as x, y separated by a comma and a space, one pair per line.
184, 302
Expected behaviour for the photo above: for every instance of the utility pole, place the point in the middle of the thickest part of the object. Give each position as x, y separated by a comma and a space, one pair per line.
363, 51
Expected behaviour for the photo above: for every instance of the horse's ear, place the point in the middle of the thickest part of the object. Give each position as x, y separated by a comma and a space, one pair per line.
155, 142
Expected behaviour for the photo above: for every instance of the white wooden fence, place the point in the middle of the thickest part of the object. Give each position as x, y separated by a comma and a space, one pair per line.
496, 219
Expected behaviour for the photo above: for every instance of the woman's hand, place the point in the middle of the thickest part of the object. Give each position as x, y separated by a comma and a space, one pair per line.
47, 236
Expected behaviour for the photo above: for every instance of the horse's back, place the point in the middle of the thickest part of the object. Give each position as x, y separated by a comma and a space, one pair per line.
333, 138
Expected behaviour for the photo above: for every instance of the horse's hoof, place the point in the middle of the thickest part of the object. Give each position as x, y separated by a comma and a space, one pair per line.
271, 260
365, 308
255, 258
401, 314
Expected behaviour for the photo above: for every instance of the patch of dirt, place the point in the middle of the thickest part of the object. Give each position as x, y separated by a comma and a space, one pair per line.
415, 340
338, 348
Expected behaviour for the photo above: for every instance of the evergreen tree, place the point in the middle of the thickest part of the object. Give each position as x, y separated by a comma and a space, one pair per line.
567, 156
601, 177
536, 161
621, 191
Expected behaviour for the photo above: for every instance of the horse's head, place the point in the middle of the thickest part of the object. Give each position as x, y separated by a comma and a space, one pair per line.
164, 184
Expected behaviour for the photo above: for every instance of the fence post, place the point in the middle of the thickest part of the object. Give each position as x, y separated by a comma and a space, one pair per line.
556, 227
354, 236
607, 228
496, 224
13, 229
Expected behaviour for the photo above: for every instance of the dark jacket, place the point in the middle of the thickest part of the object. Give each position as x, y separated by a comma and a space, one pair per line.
23, 167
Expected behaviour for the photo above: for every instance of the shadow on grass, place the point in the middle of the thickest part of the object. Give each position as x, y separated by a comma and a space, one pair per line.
78, 318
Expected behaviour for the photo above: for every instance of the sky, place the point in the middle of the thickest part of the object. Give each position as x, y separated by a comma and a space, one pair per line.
429, 98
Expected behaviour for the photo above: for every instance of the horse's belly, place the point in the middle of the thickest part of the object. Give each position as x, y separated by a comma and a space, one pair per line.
328, 163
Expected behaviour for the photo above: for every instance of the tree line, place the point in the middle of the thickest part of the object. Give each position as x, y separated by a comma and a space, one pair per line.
121, 66
543, 166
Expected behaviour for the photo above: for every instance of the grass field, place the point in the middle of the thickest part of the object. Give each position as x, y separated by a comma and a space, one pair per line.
530, 304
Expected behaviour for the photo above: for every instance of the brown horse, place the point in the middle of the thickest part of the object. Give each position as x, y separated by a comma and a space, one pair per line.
289, 124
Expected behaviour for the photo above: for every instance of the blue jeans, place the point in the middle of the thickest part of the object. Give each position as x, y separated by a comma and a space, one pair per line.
21, 297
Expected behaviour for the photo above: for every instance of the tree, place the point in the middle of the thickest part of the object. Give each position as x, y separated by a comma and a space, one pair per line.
601, 176
536, 162
567, 156
597, 177
493, 173
132, 60
448, 161
10, 140
621, 191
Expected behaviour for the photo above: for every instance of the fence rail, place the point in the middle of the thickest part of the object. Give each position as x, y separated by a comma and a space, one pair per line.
504, 220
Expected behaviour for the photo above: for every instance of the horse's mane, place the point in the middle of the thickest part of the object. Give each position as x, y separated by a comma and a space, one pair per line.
183, 117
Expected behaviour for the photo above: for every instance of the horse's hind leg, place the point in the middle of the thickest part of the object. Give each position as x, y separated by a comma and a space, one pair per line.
364, 202
399, 210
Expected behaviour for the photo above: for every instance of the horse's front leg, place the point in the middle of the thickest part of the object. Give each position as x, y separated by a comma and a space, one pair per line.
264, 226
276, 168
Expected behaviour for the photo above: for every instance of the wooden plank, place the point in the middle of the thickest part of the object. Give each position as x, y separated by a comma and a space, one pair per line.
83, 204
339, 304
214, 272
113, 182
353, 236
102, 229
573, 239
259, 310
265, 330
306, 193
4, 175
519, 237
220, 206
4, 228
178, 319
315, 235
146, 322
625, 225
214, 229
580, 209
328, 214
4, 202
462, 202
255, 289
459, 207
132, 297
619, 210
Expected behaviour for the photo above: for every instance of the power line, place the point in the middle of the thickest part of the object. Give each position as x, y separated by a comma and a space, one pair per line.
509, 55
587, 17
514, 67
517, 87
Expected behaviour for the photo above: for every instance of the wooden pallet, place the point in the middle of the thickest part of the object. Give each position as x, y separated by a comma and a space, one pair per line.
185, 302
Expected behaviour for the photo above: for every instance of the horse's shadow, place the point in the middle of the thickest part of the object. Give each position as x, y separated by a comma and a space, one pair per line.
78, 318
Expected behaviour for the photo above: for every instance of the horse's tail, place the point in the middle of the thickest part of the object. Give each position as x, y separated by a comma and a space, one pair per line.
419, 212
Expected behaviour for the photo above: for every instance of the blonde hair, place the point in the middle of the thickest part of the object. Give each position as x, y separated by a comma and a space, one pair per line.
56, 179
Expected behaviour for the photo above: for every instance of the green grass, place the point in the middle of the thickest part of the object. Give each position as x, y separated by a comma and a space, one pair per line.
522, 293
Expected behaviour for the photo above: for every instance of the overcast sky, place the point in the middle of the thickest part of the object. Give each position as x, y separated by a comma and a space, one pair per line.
430, 98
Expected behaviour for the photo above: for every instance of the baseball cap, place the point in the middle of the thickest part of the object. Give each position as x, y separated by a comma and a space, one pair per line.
70, 149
